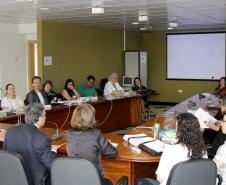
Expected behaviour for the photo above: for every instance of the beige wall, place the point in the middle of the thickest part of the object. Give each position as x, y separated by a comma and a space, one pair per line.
155, 44
79, 51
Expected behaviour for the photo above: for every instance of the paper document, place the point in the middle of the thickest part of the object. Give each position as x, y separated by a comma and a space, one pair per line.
156, 145
203, 117
136, 139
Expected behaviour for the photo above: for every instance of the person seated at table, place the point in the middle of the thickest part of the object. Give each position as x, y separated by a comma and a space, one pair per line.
220, 160
84, 141
69, 91
31, 144
220, 90
11, 102
190, 146
220, 136
47, 87
87, 88
112, 87
138, 86
36, 95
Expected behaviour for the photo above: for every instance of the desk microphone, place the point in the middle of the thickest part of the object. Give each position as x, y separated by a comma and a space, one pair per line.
57, 134
18, 120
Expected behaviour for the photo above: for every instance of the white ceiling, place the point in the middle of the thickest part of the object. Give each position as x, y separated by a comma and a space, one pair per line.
190, 14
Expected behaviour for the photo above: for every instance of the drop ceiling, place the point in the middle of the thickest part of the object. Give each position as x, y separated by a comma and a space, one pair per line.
189, 14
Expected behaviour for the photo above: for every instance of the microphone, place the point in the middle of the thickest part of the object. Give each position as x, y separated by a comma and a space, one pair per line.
18, 120
57, 134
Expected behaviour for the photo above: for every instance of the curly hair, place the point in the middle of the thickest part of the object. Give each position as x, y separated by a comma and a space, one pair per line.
190, 135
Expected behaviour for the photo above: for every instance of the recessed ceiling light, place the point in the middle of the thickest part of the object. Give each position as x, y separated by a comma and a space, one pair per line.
97, 10
143, 18
44, 9
170, 28
135, 23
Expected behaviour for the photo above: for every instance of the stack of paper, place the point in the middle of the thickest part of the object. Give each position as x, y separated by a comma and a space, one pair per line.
145, 142
203, 117
137, 139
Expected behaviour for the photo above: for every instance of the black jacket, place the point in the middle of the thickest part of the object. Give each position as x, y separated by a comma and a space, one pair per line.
32, 97
89, 144
33, 146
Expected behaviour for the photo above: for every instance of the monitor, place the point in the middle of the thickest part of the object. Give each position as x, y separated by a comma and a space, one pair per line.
127, 81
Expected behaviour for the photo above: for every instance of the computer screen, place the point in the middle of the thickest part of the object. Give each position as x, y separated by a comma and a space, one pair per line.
127, 81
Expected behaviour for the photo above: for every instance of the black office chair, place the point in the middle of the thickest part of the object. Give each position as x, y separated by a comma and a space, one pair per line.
197, 172
75, 171
102, 83
13, 170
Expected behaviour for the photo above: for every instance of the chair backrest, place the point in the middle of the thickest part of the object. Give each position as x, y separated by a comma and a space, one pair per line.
200, 172
102, 83
13, 170
74, 171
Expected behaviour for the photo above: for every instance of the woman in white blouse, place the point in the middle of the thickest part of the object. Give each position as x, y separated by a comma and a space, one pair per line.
220, 157
11, 102
112, 87
190, 146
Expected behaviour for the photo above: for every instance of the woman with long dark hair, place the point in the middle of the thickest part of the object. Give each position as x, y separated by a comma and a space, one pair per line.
221, 88
69, 91
190, 146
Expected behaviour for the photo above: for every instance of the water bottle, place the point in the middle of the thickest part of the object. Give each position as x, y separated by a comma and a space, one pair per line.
156, 129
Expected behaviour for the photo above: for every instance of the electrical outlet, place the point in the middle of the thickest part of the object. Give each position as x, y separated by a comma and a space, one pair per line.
180, 91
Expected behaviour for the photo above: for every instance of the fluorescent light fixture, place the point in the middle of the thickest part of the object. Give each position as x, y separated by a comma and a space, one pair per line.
142, 29
44, 9
143, 18
135, 23
97, 10
173, 24
170, 28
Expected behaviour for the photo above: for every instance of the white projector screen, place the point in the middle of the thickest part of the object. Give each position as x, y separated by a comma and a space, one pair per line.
198, 56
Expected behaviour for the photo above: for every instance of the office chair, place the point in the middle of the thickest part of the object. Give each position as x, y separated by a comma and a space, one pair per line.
76, 171
13, 170
200, 172
102, 83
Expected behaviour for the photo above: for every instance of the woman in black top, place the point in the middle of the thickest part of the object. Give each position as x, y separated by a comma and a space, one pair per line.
47, 87
137, 85
221, 86
69, 91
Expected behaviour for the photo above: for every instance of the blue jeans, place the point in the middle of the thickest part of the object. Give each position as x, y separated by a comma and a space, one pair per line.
148, 181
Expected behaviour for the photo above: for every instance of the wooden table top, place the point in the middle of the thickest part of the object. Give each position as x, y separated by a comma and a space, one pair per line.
125, 151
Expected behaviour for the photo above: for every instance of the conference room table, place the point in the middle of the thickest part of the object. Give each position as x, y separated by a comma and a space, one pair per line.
111, 115
128, 161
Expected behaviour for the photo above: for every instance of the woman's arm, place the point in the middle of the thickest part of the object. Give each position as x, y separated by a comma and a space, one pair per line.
76, 93
66, 95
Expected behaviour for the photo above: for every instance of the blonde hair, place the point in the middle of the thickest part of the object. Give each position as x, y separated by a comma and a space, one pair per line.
111, 76
83, 116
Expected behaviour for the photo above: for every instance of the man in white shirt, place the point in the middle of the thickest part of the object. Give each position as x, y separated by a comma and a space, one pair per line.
36, 95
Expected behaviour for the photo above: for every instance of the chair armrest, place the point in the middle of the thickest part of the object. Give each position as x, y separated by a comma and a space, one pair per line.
219, 179
122, 181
